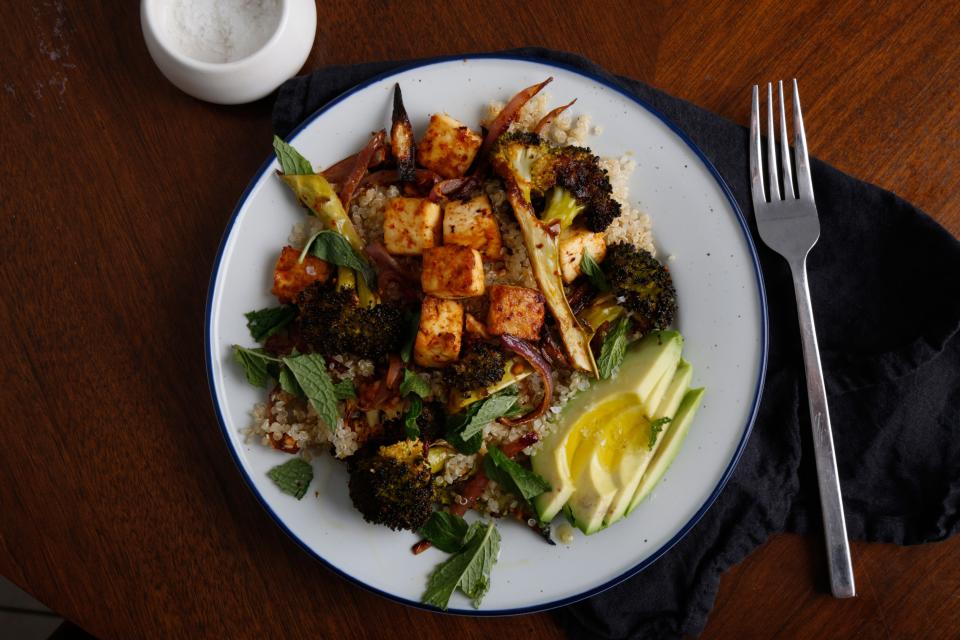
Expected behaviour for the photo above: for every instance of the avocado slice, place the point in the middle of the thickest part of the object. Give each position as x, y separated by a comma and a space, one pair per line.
644, 365
552, 462
657, 354
670, 442
656, 396
679, 384
637, 452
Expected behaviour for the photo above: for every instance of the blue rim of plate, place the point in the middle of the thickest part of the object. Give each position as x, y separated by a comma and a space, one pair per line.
208, 353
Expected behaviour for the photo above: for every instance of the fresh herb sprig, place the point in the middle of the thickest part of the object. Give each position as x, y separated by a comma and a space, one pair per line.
594, 273
467, 569
614, 348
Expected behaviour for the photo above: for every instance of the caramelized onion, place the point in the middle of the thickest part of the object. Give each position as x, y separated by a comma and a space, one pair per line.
550, 117
453, 188
471, 493
359, 167
539, 363
390, 270
424, 179
393, 371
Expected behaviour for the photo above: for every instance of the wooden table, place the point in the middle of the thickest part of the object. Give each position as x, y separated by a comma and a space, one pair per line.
120, 507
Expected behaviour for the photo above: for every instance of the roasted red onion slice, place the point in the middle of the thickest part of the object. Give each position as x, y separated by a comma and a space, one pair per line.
539, 363
550, 117
424, 179
360, 165
453, 188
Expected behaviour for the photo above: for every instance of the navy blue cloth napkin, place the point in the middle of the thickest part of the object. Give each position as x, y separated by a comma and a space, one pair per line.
885, 281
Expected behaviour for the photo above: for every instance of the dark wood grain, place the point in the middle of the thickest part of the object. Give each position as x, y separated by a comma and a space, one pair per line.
119, 505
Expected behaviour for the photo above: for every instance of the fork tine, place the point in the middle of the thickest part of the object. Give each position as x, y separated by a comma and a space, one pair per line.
785, 148
804, 182
773, 178
756, 166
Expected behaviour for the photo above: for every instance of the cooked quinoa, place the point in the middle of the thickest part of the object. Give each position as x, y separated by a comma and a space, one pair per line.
294, 417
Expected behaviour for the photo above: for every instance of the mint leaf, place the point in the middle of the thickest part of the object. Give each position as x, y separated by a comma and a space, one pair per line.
344, 390
255, 363
465, 430
487, 411
594, 273
332, 247
293, 477
468, 569
311, 373
412, 383
410, 425
410, 336
445, 531
289, 383
614, 348
467, 446
263, 323
512, 476
291, 162
655, 428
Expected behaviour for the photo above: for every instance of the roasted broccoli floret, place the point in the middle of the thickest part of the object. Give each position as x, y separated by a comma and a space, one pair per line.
479, 366
569, 178
432, 421
392, 485
332, 321
639, 285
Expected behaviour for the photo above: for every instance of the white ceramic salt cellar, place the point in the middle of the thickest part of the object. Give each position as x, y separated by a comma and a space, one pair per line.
228, 51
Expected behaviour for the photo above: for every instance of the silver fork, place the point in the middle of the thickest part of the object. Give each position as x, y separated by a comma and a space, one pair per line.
789, 225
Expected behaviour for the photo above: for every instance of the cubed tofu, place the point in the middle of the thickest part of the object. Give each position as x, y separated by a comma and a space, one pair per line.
573, 244
440, 332
515, 310
452, 271
448, 147
411, 225
471, 223
290, 276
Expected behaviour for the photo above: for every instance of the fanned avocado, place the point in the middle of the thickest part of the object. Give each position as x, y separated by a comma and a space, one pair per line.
646, 363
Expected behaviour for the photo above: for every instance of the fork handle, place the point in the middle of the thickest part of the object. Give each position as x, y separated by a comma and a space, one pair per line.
834, 524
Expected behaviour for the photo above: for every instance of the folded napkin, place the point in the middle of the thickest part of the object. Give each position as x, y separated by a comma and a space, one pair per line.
885, 281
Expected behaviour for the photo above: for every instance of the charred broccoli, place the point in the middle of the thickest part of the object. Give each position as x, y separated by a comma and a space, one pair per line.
332, 321
432, 421
392, 485
570, 179
480, 365
640, 285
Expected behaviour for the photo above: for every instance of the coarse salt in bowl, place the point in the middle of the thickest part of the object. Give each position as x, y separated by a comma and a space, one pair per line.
228, 51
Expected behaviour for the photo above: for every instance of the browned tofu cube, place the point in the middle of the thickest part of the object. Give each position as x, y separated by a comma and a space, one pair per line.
573, 244
515, 310
471, 223
448, 147
411, 225
290, 276
440, 332
452, 271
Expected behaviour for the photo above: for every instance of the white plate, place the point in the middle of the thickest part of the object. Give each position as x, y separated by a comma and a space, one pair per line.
722, 316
